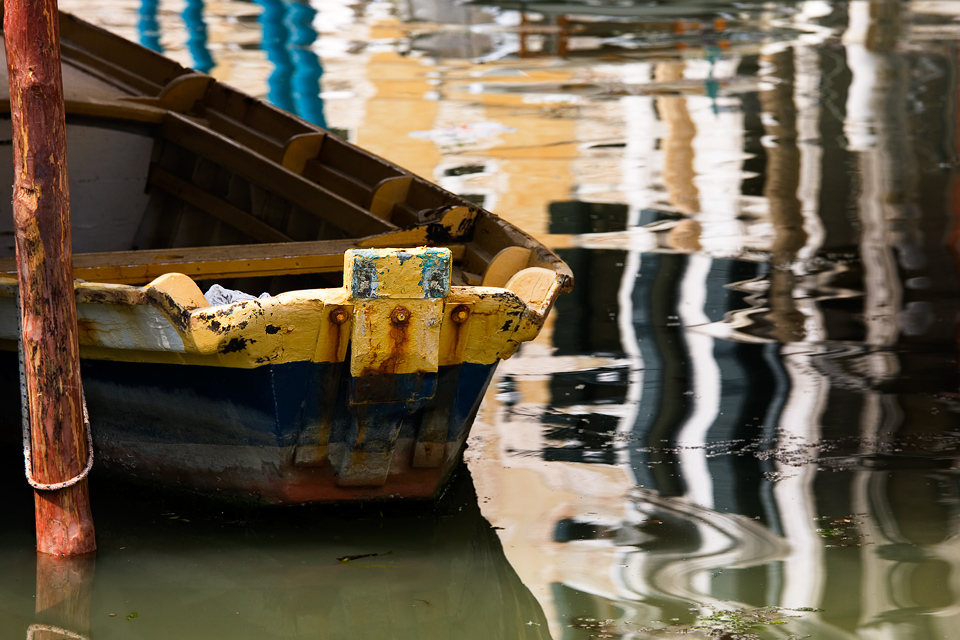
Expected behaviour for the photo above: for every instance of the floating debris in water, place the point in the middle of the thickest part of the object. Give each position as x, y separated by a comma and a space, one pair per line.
358, 556
841, 532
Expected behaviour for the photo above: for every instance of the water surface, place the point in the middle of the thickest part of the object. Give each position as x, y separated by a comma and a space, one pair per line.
744, 420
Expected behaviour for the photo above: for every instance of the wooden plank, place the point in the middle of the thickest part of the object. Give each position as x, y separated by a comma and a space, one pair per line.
348, 186
183, 92
387, 193
255, 115
142, 68
219, 208
129, 82
201, 263
313, 198
301, 148
360, 164
507, 262
250, 138
120, 110
405, 215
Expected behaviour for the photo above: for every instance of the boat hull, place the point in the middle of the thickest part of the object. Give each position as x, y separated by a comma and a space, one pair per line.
277, 434
354, 312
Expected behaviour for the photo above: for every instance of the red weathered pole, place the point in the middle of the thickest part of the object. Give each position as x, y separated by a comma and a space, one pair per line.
41, 213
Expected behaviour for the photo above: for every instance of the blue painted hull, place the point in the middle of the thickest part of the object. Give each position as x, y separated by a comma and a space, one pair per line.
282, 434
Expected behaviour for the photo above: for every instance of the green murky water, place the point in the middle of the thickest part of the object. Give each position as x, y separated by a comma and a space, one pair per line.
744, 421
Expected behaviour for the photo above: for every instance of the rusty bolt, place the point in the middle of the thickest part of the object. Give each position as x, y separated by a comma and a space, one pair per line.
460, 313
400, 316
339, 315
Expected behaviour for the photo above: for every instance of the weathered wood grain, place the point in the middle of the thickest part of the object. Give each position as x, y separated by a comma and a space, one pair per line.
48, 311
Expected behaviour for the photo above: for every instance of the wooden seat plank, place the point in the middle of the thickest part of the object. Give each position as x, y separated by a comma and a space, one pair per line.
206, 263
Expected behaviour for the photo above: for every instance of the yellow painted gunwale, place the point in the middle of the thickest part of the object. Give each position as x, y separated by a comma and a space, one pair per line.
292, 326
108, 78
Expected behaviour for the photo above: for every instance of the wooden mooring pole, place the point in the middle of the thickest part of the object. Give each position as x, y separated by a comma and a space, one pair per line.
41, 213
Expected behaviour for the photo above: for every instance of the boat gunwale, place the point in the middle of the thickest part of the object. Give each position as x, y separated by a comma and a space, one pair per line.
170, 95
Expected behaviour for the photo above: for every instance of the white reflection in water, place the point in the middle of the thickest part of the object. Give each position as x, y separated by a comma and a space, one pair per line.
751, 398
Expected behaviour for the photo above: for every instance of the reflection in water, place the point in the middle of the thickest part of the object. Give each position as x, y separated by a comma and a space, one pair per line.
752, 397
288, 38
148, 28
275, 38
306, 64
796, 427
678, 155
197, 36
63, 596
169, 568
288, 34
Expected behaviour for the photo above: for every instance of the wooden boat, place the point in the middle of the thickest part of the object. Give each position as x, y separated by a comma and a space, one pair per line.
388, 301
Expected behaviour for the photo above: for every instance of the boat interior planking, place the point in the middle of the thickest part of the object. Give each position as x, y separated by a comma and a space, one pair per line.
324, 387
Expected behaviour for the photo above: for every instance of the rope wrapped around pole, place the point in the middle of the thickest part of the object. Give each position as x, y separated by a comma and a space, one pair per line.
27, 456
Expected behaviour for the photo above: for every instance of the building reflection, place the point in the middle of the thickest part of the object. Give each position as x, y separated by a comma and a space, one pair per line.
751, 397
288, 36
197, 36
148, 27
782, 395
288, 40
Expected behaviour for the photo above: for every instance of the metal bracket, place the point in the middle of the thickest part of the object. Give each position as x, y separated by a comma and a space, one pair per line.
398, 300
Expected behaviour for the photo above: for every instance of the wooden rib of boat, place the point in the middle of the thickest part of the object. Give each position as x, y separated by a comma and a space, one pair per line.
387, 301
